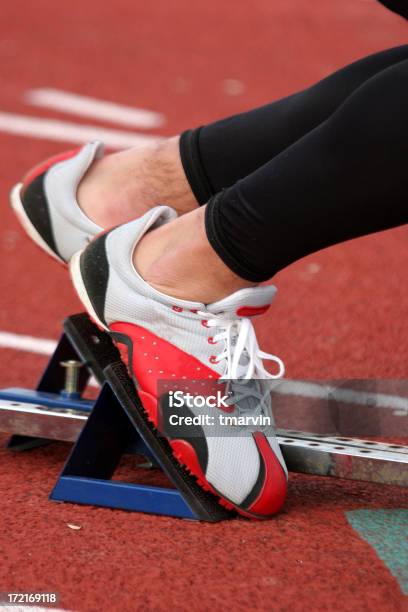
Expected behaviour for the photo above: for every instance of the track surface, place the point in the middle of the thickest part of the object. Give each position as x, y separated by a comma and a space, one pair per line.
339, 313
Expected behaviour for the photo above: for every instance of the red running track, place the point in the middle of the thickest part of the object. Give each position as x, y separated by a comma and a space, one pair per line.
339, 313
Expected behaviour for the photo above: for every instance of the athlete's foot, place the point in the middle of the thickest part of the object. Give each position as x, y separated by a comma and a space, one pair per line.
180, 339
177, 259
123, 186
68, 199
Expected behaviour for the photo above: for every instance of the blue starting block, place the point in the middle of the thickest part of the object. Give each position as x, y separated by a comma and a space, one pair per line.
103, 431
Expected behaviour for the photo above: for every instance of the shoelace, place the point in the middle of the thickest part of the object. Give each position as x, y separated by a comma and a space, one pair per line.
260, 402
243, 359
241, 352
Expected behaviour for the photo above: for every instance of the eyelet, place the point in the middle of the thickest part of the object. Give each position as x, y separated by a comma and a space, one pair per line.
205, 323
211, 340
177, 308
213, 359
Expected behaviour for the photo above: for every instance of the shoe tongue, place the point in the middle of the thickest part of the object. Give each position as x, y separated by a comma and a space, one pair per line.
244, 303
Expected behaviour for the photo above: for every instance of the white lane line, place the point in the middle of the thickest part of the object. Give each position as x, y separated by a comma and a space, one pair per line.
347, 396
84, 106
30, 344
42, 346
53, 129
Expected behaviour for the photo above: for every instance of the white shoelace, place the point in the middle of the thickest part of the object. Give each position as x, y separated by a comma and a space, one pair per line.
241, 352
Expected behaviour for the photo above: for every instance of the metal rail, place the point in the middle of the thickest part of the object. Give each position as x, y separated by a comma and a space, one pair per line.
38, 421
309, 453
350, 458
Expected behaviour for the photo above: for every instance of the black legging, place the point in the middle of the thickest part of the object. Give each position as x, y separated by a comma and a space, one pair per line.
322, 166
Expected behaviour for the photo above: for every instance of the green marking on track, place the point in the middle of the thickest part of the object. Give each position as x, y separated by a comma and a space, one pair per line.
387, 532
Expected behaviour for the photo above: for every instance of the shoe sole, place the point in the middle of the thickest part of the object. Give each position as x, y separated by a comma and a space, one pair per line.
18, 208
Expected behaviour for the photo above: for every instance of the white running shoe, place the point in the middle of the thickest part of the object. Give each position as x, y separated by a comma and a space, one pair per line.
169, 339
46, 205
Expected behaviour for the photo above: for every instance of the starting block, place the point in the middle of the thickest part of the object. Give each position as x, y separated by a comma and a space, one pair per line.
113, 425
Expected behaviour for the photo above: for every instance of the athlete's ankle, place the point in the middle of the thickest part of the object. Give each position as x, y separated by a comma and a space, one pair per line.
177, 259
123, 186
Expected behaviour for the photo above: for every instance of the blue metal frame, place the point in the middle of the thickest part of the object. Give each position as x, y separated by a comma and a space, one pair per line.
85, 478
121, 495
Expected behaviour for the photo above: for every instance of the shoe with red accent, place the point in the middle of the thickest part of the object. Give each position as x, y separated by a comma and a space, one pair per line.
169, 339
46, 205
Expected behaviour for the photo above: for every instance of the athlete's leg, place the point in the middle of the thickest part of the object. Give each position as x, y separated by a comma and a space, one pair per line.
219, 154
345, 178
122, 186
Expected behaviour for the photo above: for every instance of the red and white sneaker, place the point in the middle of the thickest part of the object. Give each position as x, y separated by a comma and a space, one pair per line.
46, 205
170, 339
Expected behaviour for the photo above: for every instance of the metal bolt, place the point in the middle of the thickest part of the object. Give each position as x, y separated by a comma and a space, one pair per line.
72, 368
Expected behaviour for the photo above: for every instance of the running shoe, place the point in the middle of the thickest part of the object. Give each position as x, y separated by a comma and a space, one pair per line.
167, 339
46, 205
